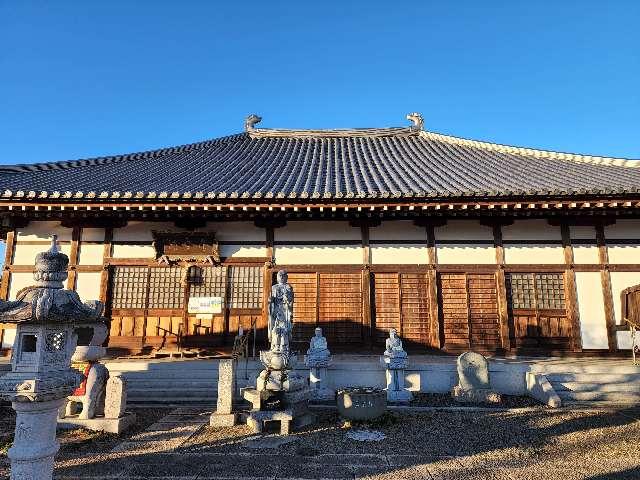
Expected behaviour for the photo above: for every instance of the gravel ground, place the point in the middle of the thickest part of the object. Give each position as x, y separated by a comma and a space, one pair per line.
535, 443
445, 400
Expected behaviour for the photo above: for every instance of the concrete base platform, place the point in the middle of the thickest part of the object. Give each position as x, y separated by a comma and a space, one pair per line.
99, 424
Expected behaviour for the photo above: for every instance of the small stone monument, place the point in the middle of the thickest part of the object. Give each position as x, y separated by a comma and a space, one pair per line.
318, 358
94, 391
281, 395
224, 415
41, 377
395, 361
473, 380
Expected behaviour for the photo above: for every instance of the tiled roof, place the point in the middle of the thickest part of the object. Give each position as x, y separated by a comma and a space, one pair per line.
325, 164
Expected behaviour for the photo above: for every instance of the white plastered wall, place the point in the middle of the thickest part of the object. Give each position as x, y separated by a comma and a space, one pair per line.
624, 229
18, 281
467, 253
318, 231
26, 254
226, 232
593, 324
287, 252
620, 281
39, 231
537, 230
91, 254
386, 243
584, 253
321, 255
88, 285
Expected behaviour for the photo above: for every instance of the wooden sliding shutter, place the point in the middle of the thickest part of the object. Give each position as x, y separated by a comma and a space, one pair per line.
305, 302
340, 307
402, 302
470, 318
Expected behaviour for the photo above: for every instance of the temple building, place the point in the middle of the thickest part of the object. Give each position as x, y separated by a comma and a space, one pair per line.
457, 244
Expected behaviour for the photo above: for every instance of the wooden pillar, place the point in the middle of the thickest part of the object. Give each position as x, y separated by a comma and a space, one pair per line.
571, 293
501, 288
106, 254
76, 233
10, 246
367, 317
267, 279
434, 308
605, 277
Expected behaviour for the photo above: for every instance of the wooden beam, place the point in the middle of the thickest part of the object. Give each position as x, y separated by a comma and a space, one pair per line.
501, 288
76, 233
10, 245
571, 293
605, 278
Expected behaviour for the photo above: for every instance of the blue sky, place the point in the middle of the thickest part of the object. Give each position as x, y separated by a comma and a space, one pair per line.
82, 79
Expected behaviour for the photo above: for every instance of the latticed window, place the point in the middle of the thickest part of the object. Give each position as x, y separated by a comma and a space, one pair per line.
542, 291
130, 286
245, 287
207, 281
165, 288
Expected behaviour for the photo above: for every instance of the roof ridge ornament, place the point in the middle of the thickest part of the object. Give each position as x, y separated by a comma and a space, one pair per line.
417, 119
251, 121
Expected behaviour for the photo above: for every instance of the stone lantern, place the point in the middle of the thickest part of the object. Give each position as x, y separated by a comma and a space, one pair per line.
46, 317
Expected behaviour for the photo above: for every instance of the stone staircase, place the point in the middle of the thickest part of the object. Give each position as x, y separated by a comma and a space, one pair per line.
174, 382
596, 383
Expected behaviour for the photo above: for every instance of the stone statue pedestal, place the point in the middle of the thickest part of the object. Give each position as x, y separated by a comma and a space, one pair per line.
394, 370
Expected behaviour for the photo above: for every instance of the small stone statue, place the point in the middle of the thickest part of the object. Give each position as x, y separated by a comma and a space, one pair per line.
318, 350
395, 362
473, 380
91, 393
318, 358
393, 348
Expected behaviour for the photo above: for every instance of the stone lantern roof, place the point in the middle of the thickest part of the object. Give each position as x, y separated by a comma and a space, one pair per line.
47, 301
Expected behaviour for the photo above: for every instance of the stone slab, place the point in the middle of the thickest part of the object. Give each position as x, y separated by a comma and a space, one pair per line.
461, 395
99, 424
223, 420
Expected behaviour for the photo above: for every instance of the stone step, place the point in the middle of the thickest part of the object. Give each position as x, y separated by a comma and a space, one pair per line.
165, 401
158, 392
609, 397
596, 387
622, 367
594, 377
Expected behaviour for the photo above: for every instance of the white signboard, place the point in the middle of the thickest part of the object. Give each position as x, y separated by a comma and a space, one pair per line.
205, 304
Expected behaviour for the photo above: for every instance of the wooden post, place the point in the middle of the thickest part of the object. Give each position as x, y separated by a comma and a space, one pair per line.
501, 288
367, 316
10, 246
76, 233
267, 279
605, 277
571, 293
434, 309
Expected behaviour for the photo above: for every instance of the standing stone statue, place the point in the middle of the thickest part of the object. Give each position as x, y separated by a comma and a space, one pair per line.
318, 358
47, 316
395, 362
280, 314
278, 383
473, 380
